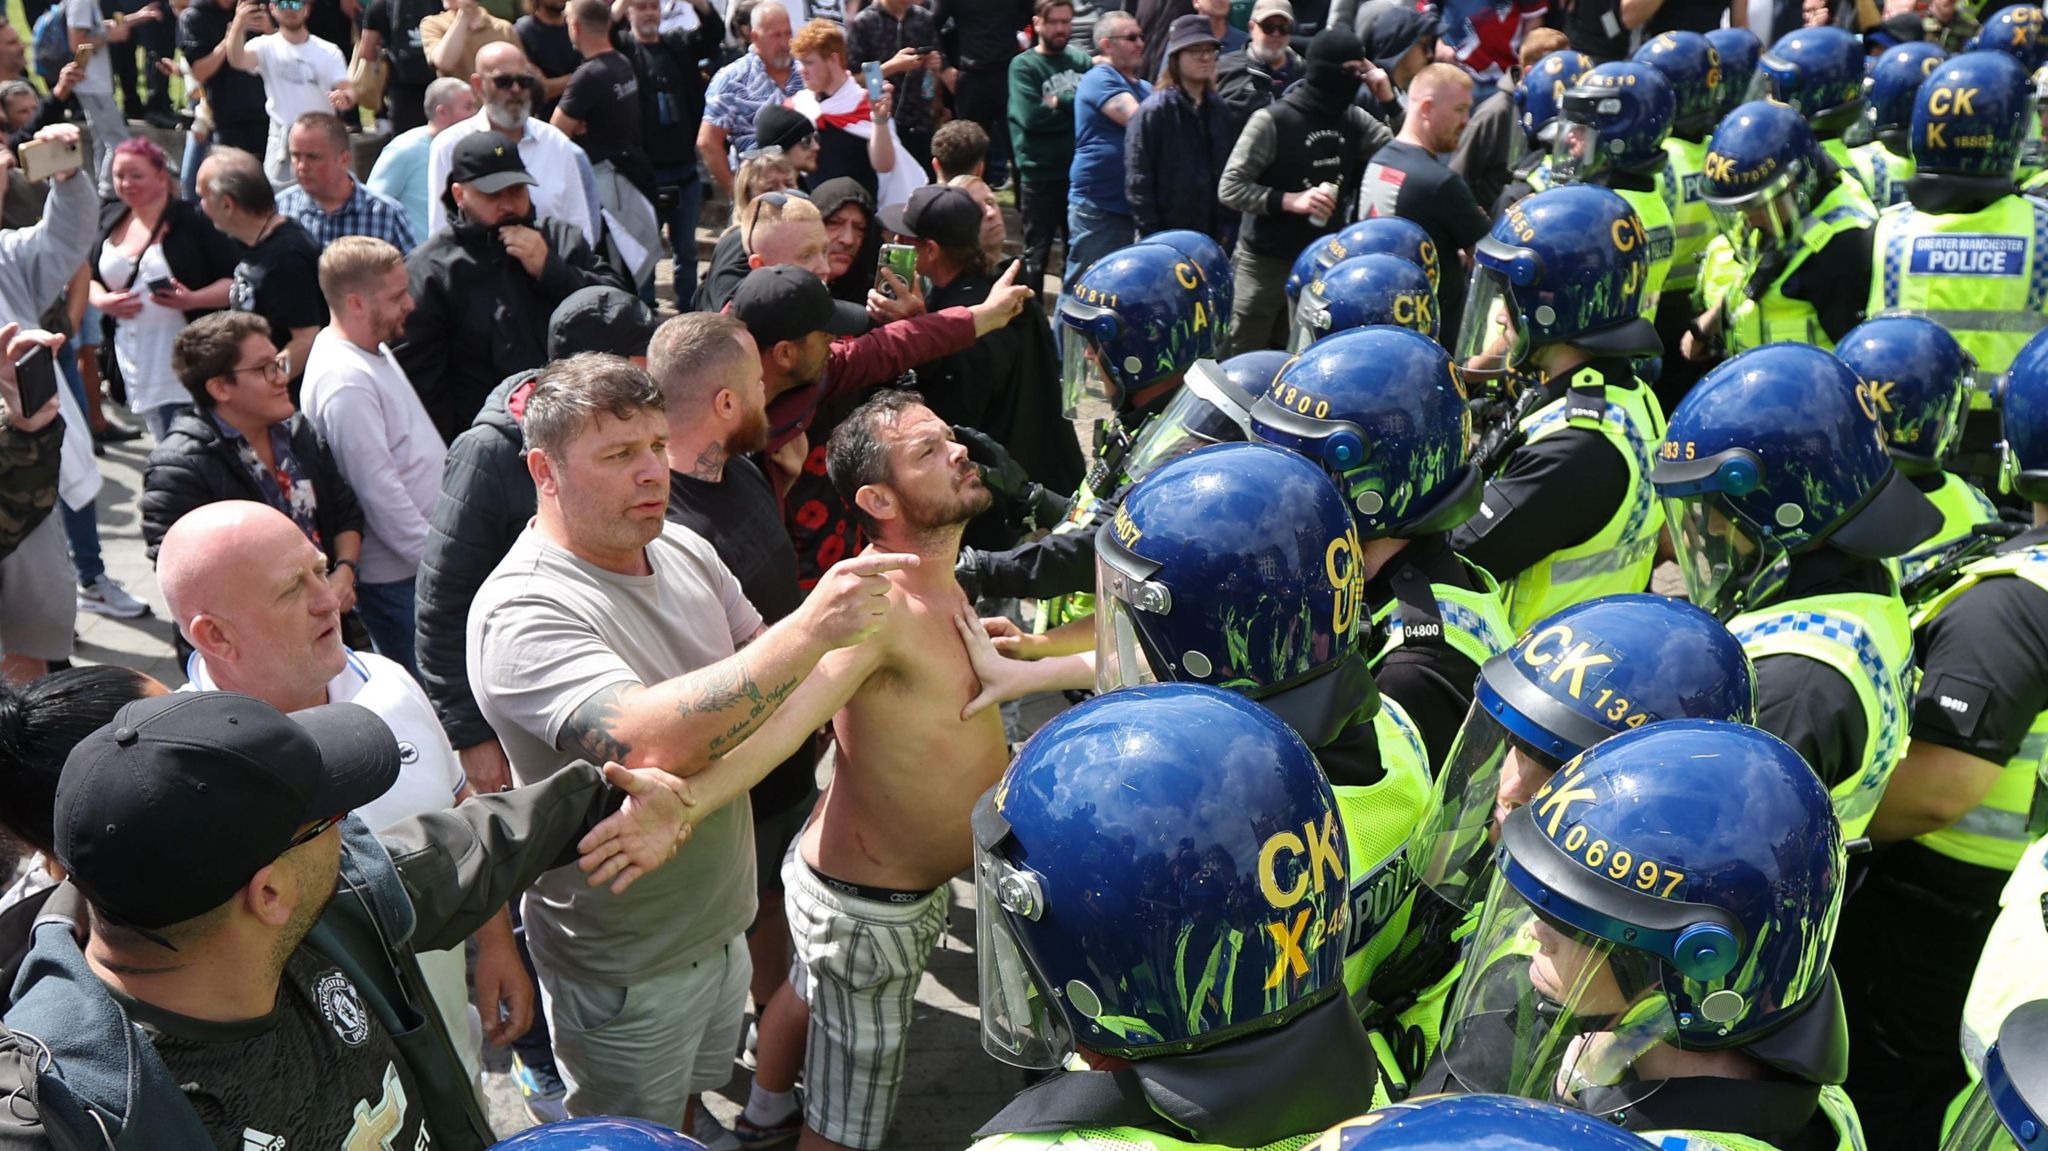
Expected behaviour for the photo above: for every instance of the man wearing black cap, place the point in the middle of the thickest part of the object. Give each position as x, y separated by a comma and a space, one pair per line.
485, 285
231, 962
779, 126
1008, 383
1282, 172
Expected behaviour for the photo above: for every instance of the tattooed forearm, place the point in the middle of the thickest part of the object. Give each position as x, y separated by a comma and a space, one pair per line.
724, 687
593, 728
764, 703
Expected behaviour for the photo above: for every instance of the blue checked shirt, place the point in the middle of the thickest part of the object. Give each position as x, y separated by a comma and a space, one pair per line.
365, 214
739, 90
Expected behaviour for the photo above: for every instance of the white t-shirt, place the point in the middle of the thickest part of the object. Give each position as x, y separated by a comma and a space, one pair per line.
142, 343
547, 631
85, 15
385, 445
296, 77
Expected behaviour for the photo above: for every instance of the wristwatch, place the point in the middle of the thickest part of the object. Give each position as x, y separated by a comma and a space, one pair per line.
354, 570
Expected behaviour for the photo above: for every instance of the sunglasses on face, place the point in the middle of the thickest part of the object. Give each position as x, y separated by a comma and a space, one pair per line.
314, 832
1134, 36
506, 83
1276, 27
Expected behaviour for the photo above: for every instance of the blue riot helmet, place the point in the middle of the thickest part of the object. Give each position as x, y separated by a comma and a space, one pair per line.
1465, 1122
1237, 565
1253, 372
1137, 317
1575, 679
1972, 116
1361, 291
610, 1133
1540, 97
1818, 72
2008, 1107
2022, 397
1615, 119
1389, 235
1890, 90
1564, 266
2020, 32
1209, 256
1160, 870
1693, 67
1762, 176
1919, 379
1676, 886
1383, 411
1772, 454
1304, 270
1740, 50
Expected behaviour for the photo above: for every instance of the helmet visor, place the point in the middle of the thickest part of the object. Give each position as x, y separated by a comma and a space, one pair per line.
1083, 377
1021, 1021
1766, 220
1120, 659
1546, 1011
1490, 337
1487, 775
1576, 156
1311, 320
1208, 409
1718, 557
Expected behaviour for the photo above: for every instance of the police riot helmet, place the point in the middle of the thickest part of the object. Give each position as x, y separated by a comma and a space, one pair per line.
1693, 66
605, 1133
1564, 266
1675, 886
1972, 116
1464, 1122
1383, 410
2022, 397
1774, 453
1237, 565
1578, 677
2008, 1107
1764, 173
1892, 87
1919, 378
1136, 317
1209, 256
1161, 869
1388, 235
1364, 290
1303, 270
1818, 72
1740, 50
1253, 372
1615, 119
2020, 31
1210, 407
1540, 97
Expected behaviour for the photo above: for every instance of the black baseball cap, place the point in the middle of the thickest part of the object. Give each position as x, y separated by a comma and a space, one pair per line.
600, 319
488, 162
786, 302
168, 810
941, 213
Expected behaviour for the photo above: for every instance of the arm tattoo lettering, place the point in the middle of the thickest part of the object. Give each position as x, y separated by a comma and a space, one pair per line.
593, 728
729, 686
764, 702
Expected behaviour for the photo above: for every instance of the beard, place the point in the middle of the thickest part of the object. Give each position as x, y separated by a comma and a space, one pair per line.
749, 437
510, 115
317, 875
958, 506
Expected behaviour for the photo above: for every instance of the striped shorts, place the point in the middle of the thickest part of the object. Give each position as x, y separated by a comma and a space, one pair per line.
856, 962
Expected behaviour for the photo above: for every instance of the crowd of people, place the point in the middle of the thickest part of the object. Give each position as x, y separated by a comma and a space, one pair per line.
1546, 642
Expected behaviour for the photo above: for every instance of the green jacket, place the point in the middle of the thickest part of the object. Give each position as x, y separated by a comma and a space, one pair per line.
77, 1067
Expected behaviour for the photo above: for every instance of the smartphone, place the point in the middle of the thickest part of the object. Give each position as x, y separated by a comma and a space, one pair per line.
900, 259
35, 374
161, 285
42, 159
82, 55
872, 72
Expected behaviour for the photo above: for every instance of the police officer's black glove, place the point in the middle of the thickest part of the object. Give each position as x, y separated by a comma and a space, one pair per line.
1048, 507
1019, 501
968, 570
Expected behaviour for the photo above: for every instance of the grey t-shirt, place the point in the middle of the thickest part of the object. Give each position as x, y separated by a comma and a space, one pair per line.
546, 632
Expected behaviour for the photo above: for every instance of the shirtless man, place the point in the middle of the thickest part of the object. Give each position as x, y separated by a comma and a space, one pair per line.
865, 887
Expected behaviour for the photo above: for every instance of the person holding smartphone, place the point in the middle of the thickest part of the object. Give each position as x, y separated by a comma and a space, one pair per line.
903, 38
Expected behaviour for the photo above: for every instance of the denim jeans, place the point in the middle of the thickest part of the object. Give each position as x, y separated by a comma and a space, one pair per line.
81, 527
682, 226
158, 420
1092, 234
196, 148
388, 611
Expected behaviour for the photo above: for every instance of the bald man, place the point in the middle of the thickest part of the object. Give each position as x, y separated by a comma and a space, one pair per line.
508, 86
1407, 179
250, 593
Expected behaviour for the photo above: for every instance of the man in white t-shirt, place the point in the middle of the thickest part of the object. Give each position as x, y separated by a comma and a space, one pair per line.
362, 404
86, 25
301, 73
608, 633
250, 594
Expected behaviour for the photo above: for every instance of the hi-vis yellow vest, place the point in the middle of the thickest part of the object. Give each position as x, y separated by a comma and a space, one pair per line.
1834, 1103
1867, 639
1983, 275
1379, 820
1692, 222
1882, 172
1996, 832
1962, 508
1619, 556
1475, 623
1771, 316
